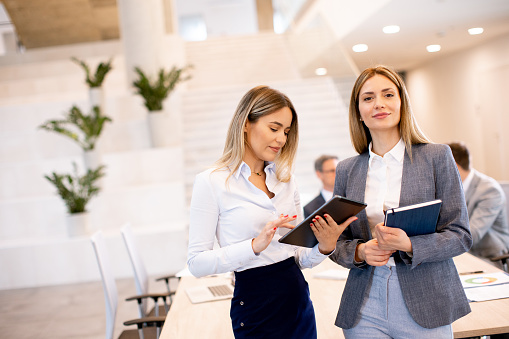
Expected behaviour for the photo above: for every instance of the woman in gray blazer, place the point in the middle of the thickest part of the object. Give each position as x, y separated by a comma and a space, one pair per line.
398, 286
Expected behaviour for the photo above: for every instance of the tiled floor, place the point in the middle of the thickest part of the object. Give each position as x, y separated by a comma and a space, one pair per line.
67, 311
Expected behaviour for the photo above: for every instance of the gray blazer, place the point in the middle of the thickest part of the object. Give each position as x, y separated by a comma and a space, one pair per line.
429, 281
488, 216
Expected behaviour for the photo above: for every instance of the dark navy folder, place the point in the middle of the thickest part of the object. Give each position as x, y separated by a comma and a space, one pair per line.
415, 219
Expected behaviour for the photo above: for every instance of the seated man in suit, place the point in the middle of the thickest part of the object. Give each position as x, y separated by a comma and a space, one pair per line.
325, 168
486, 205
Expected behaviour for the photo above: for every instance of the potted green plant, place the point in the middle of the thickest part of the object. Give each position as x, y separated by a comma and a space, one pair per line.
154, 92
95, 80
82, 128
76, 191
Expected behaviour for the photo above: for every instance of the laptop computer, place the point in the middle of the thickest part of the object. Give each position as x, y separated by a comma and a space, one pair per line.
212, 292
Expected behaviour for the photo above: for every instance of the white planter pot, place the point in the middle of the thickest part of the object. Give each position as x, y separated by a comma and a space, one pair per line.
77, 224
96, 97
92, 159
157, 127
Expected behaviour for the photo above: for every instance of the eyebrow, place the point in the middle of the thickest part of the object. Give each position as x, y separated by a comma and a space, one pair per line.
384, 90
279, 124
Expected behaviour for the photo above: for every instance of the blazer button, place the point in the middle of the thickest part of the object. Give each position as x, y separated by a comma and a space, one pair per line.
241, 303
241, 324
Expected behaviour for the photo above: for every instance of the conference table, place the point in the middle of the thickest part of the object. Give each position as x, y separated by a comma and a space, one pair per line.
212, 319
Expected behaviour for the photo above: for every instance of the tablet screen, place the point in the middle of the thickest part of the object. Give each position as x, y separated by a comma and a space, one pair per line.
339, 208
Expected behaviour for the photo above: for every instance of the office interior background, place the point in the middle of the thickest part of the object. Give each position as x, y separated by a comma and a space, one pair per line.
303, 48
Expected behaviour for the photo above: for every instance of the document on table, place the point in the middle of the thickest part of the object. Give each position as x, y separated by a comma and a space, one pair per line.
488, 292
484, 279
486, 286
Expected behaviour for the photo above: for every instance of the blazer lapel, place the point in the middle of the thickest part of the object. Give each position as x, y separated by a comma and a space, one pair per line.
358, 191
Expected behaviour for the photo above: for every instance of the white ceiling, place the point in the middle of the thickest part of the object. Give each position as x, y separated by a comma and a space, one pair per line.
425, 22
422, 22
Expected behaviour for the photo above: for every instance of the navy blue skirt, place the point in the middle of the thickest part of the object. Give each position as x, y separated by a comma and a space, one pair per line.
272, 302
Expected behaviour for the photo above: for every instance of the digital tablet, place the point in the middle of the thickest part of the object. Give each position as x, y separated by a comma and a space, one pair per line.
339, 208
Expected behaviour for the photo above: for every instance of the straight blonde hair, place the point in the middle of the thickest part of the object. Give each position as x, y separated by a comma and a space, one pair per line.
408, 128
256, 103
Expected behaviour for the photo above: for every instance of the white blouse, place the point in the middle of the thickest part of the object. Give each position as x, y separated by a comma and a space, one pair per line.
383, 184
235, 212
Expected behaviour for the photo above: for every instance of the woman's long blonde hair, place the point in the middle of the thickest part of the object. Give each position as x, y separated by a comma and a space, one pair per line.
408, 128
256, 103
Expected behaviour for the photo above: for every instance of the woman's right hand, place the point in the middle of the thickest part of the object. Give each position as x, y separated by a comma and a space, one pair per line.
262, 241
371, 253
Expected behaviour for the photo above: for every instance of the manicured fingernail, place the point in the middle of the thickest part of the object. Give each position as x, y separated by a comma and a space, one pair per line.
275, 228
311, 224
286, 216
295, 216
317, 217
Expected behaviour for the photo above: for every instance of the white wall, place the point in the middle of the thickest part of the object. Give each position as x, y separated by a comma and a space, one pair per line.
222, 18
463, 98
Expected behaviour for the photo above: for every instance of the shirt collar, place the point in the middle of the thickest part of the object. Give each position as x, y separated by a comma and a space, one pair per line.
270, 167
397, 152
468, 180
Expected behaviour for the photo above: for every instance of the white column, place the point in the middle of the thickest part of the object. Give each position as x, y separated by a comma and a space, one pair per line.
142, 31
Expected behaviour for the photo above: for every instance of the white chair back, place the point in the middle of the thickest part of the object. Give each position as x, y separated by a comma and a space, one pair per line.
109, 285
140, 272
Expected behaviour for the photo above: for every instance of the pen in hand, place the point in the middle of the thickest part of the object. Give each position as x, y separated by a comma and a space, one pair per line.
474, 272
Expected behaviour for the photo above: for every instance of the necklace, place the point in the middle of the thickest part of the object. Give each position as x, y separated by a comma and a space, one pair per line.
258, 174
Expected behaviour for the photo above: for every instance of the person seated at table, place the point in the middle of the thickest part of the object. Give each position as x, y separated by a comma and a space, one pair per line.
398, 286
486, 205
325, 169
247, 200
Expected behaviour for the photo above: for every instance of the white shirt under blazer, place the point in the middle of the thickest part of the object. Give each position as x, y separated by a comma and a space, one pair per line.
235, 212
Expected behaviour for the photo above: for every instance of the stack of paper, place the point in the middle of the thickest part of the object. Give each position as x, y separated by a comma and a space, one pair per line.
486, 286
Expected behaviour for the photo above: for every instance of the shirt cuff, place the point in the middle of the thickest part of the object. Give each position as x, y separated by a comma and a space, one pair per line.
241, 253
315, 253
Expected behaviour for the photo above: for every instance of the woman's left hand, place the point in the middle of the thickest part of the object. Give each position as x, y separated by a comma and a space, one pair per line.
392, 238
327, 232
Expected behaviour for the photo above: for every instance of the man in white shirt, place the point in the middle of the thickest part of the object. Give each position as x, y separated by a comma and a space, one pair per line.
325, 168
486, 205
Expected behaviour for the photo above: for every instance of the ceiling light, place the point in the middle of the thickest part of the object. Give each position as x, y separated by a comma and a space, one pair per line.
433, 48
360, 48
391, 29
476, 30
321, 71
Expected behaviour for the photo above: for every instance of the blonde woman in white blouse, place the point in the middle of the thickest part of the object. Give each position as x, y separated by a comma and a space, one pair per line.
248, 200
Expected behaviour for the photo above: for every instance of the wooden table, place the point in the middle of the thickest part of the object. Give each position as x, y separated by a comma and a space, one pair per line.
212, 320
487, 317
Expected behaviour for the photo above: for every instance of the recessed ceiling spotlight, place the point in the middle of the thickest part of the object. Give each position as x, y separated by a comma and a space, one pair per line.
391, 29
433, 48
360, 48
476, 30
321, 71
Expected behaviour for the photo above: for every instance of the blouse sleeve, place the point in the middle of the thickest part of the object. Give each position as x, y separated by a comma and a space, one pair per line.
202, 258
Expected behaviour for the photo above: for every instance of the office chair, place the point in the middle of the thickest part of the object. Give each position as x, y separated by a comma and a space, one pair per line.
503, 259
141, 278
148, 326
